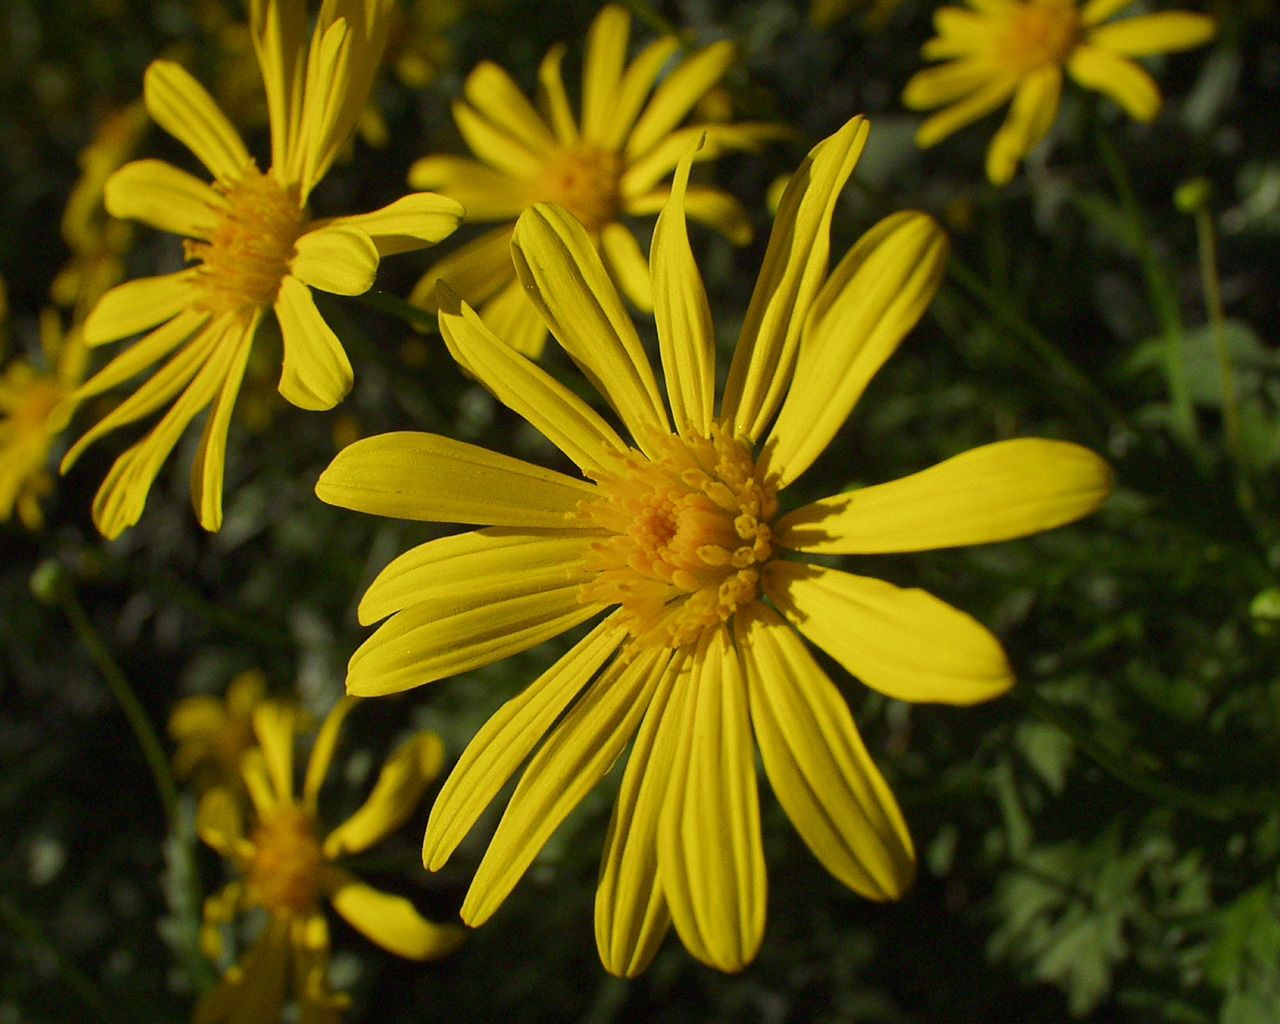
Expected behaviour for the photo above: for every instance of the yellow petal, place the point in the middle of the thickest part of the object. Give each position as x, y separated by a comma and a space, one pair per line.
208, 465
634, 86
492, 92
278, 32
510, 315
254, 990
576, 755
275, 724
1035, 105
326, 742
906, 644
864, 310
1096, 11
561, 416
424, 643
993, 493
554, 98
164, 197
219, 822
794, 266
972, 108
489, 565
686, 337
137, 305
678, 94
337, 258
563, 274
628, 269
316, 372
644, 173
631, 914
506, 739
1155, 33
195, 718
960, 33
938, 86
606, 53
711, 207
1125, 82
395, 796
181, 106
411, 222
435, 479
393, 922
817, 763
485, 194
497, 148
475, 270
710, 859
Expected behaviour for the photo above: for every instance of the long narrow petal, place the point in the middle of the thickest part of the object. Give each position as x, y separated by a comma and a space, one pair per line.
143, 353
631, 913
411, 222
275, 724
486, 194
709, 206
644, 174
686, 337
210, 461
1133, 90
628, 269
138, 305
475, 270
872, 299
992, 493
337, 258
678, 94
794, 266
817, 763
392, 921
164, 197
554, 99
566, 280
1095, 12
395, 796
973, 107
906, 644
1165, 32
322, 749
521, 385
507, 738
710, 858
279, 32
510, 315
576, 755
1035, 106
220, 822
602, 69
497, 148
436, 639
946, 83
430, 478
492, 92
635, 85
182, 107
316, 373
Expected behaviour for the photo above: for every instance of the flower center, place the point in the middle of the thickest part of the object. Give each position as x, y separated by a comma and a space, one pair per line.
28, 398
284, 874
689, 535
585, 182
1042, 33
248, 253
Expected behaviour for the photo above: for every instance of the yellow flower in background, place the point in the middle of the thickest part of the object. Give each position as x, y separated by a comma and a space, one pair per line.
254, 247
35, 407
1002, 49
610, 164
289, 870
676, 540
212, 735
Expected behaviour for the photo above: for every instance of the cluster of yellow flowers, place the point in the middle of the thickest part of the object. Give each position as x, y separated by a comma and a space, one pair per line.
671, 539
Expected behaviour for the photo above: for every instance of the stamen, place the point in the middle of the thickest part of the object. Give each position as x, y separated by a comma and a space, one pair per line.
284, 874
585, 182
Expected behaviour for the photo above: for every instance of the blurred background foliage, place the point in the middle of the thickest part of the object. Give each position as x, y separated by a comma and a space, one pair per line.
1102, 844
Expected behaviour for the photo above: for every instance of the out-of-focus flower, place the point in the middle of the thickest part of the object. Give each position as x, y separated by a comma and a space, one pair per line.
607, 165
675, 537
1000, 49
825, 13
212, 735
35, 407
254, 245
289, 869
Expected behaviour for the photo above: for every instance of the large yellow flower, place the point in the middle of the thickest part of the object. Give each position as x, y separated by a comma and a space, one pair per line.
1019, 48
254, 246
609, 165
289, 870
676, 539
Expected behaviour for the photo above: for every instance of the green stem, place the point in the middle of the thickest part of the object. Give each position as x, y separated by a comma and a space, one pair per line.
152, 750
30, 933
1219, 807
397, 307
1163, 296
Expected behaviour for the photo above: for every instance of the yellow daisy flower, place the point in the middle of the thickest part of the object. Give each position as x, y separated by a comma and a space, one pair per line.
610, 164
676, 538
254, 246
288, 870
999, 49
35, 407
212, 735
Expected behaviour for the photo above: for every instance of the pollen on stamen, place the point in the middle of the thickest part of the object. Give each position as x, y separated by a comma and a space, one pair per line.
585, 182
689, 533
1042, 33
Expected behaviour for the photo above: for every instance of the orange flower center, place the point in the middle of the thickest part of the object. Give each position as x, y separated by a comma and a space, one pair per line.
284, 874
1041, 33
248, 253
689, 535
585, 182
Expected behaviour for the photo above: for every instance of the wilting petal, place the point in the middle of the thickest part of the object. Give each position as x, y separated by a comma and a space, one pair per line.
164, 197
337, 258
316, 372
904, 643
181, 106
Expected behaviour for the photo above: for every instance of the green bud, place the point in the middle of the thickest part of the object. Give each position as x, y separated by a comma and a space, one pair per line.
1265, 609
1193, 196
49, 581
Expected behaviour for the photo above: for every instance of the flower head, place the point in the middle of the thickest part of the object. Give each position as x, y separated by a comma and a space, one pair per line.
254, 247
289, 868
608, 165
1000, 49
675, 539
